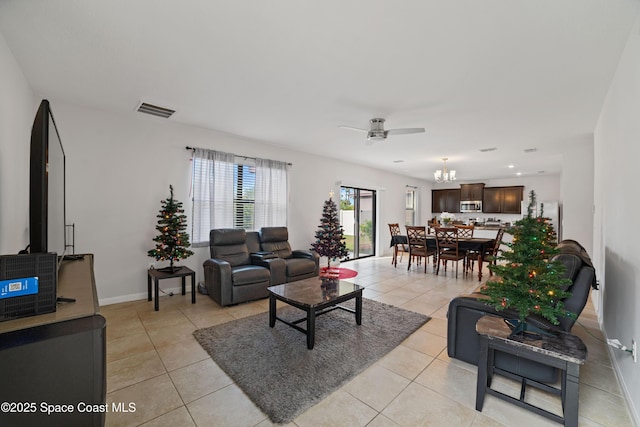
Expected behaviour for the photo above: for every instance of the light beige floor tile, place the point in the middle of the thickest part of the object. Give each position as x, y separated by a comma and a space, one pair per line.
482, 420
405, 361
128, 346
130, 370
245, 310
228, 407
420, 406
171, 334
450, 381
426, 343
124, 327
382, 421
165, 317
376, 386
199, 379
436, 326
604, 408
177, 418
338, 409
181, 353
212, 318
152, 398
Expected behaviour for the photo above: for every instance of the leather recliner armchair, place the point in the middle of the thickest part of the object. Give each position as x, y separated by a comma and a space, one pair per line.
300, 264
234, 275
463, 342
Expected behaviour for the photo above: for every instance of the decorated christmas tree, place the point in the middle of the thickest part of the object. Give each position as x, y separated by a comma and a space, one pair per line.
330, 235
172, 242
527, 279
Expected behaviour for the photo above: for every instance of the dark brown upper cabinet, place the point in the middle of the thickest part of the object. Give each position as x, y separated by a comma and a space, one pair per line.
507, 200
445, 200
471, 192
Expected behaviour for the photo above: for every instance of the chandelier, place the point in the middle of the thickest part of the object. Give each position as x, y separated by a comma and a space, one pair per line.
444, 175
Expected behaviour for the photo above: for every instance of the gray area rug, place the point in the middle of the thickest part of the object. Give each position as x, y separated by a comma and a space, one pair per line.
281, 376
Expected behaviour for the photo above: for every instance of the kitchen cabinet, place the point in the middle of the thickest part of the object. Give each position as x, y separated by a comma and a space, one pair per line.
471, 192
445, 200
507, 200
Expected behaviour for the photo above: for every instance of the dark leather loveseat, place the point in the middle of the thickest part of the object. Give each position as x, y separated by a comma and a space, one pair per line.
242, 267
463, 342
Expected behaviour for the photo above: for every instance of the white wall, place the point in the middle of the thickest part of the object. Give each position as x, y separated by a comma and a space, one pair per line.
17, 109
577, 193
616, 256
119, 168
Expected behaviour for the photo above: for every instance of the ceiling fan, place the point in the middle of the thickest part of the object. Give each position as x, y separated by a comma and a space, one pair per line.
377, 132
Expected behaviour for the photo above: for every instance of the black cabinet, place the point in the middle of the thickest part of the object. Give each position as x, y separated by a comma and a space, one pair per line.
445, 200
57, 358
506, 200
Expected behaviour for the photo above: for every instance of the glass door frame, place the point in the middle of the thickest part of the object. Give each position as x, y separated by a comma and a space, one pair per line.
356, 252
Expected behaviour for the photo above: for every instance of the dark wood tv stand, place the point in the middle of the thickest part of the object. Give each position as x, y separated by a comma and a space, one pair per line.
57, 358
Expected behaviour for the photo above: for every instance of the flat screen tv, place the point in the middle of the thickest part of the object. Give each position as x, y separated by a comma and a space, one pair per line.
47, 231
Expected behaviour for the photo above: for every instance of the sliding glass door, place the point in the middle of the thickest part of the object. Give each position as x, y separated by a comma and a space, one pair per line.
358, 219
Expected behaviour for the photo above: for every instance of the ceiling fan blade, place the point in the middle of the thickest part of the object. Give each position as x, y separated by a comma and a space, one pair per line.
353, 128
404, 131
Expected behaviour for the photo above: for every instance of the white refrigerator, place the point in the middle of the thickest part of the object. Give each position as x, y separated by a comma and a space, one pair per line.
551, 210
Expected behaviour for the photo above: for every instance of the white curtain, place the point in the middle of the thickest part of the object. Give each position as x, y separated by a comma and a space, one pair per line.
271, 193
212, 183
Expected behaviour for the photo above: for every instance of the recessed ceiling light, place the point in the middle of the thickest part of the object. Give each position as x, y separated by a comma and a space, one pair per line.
518, 173
511, 166
485, 150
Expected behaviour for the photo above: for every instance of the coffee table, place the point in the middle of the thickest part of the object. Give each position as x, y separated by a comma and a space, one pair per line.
315, 296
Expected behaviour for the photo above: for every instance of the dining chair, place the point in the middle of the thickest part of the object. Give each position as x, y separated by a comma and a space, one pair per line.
398, 246
466, 232
448, 249
489, 254
417, 238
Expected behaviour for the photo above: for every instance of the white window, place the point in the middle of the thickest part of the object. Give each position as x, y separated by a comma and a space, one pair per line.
411, 206
236, 192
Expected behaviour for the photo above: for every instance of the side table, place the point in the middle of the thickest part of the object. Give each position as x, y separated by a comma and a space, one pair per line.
158, 275
561, 350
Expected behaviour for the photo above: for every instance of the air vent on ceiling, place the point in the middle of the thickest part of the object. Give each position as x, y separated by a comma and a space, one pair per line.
486, 150
530, 150
155, 110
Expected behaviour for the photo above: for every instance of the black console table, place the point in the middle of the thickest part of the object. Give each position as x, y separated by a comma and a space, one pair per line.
57, 358
156, 275
561, 350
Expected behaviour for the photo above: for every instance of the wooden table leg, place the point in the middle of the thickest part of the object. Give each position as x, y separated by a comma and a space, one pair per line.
148, 287
359, 309
183, 285
479, 266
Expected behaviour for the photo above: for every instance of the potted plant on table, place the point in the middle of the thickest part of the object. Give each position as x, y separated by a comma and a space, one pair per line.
447, 219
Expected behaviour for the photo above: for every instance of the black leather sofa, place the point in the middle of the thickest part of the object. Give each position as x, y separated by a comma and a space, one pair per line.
242, 267
463, 342
300, 264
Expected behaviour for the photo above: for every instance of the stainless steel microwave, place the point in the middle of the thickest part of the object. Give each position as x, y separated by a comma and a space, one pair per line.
471, 206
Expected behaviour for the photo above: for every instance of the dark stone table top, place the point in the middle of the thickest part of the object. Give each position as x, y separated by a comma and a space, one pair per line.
561, 345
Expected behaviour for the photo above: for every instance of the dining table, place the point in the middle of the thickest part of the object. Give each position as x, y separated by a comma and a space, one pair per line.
479, 245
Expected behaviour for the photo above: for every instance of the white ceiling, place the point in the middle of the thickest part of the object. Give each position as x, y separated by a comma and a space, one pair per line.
510, 74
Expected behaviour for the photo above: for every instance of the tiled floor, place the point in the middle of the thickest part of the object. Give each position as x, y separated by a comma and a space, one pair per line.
155, 363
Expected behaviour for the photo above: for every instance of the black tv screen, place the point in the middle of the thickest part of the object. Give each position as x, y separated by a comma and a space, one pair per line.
46, 185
